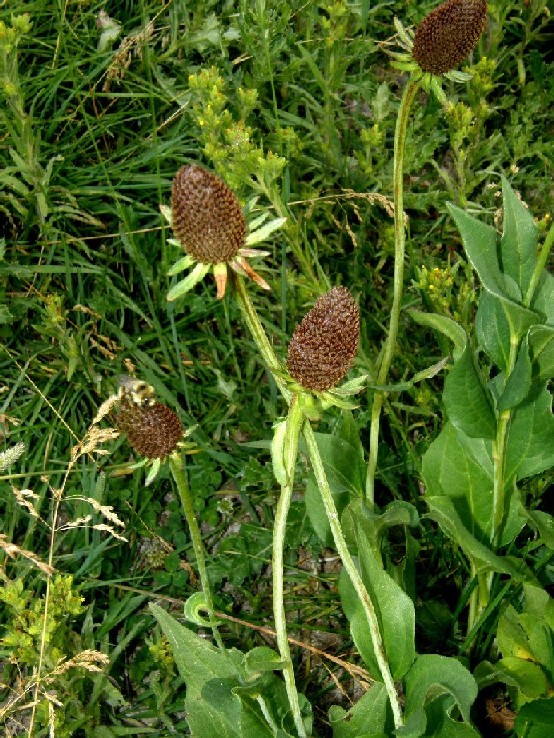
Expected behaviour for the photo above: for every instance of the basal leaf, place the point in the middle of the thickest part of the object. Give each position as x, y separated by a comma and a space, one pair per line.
518, 245
536, 719
395, 612
466, 401
201, 665
432, 675
367, 717
443, 510
196, 659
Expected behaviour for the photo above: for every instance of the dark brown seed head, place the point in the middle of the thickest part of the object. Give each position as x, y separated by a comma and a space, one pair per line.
448, 34
152, 430
207, 217
323, 346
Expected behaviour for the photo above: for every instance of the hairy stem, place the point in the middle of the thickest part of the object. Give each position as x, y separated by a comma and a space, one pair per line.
294, 422
353, 573
259, 335
399, 247
176, 464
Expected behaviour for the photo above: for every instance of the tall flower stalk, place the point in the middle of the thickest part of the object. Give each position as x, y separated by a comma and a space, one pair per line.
293, 426
442, 41
155, 432
408, 98
320, 353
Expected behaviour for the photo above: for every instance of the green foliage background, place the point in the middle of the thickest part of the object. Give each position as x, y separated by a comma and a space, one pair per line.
293, 103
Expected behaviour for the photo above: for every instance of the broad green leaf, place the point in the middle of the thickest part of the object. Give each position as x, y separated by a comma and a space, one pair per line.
349, 432
530, 444
536, 719
432, 675
526, 676
368, 717
519, 382
544, 523
196, 659
376, 524
518, 245
442, 510
262, 658
461, 468
493, 330
452, 729
480, 243
199, 663
395, 612
444, 325
543, 299
511, 637
465, 399
541, 343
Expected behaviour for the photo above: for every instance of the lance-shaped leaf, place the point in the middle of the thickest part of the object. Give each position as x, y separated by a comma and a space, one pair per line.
518, 245
466, 401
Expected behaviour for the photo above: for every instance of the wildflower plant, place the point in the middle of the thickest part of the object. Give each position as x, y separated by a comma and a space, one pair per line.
155, 432
445, 37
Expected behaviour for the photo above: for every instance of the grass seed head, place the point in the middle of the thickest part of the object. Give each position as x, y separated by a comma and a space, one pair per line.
323, 346
448, 34
152, 430
207, 217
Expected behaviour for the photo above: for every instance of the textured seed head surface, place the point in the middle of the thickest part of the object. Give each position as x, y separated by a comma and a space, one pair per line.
152, 430
207, 217
448, 34
323, 346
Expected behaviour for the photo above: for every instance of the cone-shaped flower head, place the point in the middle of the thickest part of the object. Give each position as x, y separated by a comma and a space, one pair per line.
209, 226
448, 34
323, 346
207, 217
153, 430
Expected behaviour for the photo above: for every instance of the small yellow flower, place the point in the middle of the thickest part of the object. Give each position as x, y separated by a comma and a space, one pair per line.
210, 227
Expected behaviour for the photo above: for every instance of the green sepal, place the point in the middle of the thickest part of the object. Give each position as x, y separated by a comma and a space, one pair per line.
180, 265
185, 285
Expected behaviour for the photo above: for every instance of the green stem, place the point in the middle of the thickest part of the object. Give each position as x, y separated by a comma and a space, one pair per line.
352, 571
400, 242
259, 335
541, 263
176, 463
499, 453
294, 422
